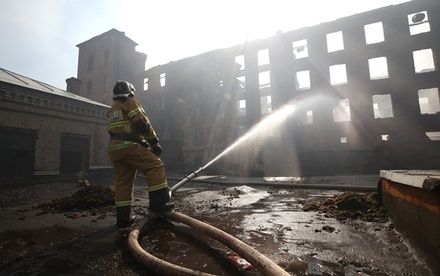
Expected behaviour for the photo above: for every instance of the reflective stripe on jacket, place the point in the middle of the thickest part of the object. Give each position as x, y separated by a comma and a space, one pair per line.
121, 117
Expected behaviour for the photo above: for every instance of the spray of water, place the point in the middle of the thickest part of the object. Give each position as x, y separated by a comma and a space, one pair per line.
274, 119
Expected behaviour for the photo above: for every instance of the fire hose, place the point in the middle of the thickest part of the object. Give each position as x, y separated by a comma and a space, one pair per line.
185, 180
150, 261
257, 259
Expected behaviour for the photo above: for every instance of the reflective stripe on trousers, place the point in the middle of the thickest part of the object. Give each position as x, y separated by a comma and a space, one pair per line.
143, 160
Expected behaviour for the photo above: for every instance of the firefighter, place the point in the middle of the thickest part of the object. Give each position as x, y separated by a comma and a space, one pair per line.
133, 147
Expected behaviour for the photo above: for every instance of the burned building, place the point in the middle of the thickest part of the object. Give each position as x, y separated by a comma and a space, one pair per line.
362, 95
355, 95
48, 133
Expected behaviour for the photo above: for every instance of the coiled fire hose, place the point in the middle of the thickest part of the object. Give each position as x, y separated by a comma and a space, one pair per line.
257, 259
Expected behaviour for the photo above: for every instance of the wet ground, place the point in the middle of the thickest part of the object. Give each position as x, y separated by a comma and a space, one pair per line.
305, 231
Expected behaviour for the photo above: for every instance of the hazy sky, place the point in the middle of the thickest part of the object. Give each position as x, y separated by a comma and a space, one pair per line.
39, 37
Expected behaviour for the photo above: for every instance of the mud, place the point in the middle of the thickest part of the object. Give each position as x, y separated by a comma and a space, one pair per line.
54, 229
350, 205
93, 199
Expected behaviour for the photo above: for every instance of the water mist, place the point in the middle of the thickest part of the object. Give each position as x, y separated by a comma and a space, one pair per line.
272, 120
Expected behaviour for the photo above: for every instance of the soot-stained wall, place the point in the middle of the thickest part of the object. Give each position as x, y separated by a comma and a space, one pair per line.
363, 95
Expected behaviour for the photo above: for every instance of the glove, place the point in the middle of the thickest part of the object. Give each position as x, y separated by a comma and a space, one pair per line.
156, 149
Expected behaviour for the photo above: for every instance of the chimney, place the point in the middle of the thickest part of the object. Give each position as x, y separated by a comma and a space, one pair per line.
73, 85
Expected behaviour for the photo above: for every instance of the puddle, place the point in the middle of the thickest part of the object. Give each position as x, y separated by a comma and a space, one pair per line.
270, 220
180, 245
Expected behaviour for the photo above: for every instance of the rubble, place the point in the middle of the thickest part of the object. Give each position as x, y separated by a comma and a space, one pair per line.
350, 205
93, 198
269, 219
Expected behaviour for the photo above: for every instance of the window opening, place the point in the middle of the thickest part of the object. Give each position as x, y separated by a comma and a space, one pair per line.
162, 79
335, 42
240, 61
89, 88
264, 79
418, 23
378, 68
145, 84
385, 137
343, 140
241, 83
90, 61
300, 49
241, 108
198, 137
423, 61
17, 148
303, 80
374, 33
75, 152
429, 101
309, 116
266, 104
160, 127
263, 57
338, 74
219, 135
341, 113
306, 118
382, 106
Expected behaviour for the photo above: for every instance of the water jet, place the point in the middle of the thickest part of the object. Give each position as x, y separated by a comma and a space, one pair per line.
274, 119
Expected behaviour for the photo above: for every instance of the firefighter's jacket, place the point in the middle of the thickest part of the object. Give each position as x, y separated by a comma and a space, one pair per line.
122, 117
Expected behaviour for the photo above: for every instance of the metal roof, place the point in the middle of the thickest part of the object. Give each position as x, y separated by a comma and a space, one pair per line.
19, 80
425, 179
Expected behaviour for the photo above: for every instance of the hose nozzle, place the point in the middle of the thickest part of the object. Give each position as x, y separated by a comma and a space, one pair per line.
186, 179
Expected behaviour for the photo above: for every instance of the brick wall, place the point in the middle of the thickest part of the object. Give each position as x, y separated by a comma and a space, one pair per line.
50, 116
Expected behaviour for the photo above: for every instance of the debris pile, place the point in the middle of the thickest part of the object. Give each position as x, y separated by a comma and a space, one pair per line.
93, 198
350, 205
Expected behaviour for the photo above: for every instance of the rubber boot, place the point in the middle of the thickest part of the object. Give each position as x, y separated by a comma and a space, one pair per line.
159, 201
124, 218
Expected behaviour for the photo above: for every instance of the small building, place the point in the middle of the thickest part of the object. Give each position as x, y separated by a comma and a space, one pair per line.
46, 132
105, 59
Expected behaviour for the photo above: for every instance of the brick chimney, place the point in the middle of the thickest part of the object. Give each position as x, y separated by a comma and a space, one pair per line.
73, 85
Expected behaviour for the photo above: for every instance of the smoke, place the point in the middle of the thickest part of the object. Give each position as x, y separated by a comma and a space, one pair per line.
39, 38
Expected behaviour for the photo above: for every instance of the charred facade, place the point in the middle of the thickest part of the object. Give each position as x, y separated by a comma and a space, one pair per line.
364, 94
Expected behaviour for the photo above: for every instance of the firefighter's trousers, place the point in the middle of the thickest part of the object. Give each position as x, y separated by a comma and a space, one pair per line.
140, 159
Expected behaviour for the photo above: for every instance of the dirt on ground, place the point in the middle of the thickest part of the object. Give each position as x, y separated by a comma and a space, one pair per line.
54, 229
350, 205
94, 199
